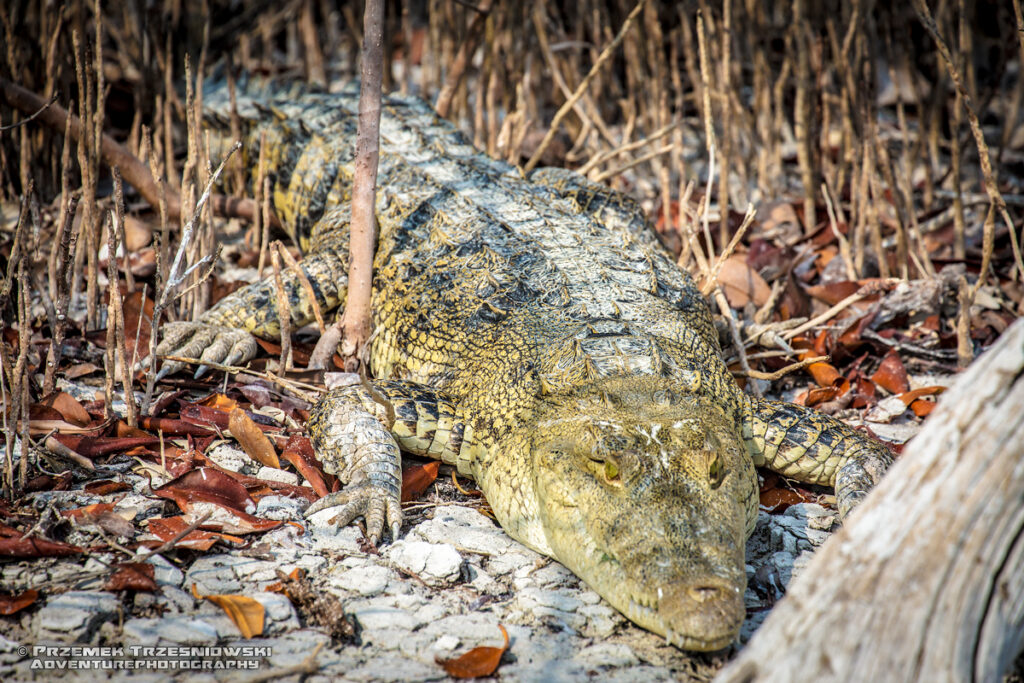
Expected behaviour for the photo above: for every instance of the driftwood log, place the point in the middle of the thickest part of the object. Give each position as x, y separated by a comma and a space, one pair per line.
925, 581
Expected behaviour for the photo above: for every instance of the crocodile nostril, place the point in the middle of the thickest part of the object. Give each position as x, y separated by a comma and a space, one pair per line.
704, 593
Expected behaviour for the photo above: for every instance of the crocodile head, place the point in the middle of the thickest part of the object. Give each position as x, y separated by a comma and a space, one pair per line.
648, 497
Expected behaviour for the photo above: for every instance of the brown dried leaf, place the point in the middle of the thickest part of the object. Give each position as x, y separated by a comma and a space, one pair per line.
741, 283
9, 604
136, 576
480, 661
252, 439
168, 528
13, 545
68, 407
247, 613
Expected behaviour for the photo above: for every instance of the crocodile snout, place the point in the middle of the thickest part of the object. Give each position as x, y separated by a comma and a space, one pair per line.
704, 614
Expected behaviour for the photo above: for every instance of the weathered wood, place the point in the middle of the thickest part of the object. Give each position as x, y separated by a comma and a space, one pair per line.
925, 582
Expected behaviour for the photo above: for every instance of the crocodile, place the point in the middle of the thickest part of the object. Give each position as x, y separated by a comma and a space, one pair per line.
528, 332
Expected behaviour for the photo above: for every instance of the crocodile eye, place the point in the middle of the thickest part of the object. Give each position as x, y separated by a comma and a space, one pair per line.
611, 471
716, 471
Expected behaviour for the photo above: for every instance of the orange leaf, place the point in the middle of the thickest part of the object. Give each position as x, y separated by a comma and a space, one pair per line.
252, 439
220, 402
909, 397
417, 478
891, 375
922, 408
9, 604
825, 374
820, 395
93, 510
480, 661
248, 614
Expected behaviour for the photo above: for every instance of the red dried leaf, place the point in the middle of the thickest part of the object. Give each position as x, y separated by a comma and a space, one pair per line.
219, 402
912, 396
742, 284
777, 500
207, 485
819, 395
417, 478
299, 452
96, 446
480, 661
891, 375
168, 528
922, 408
825, 374
12, 545
9, 604
136, 576
172, 427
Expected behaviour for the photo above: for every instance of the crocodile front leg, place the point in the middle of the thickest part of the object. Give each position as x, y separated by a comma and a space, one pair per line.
358, 432
803, 444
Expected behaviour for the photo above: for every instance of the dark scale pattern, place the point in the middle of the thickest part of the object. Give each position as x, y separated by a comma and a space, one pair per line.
530, 332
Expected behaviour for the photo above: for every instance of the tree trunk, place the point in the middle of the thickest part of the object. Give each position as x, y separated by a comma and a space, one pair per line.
925, 582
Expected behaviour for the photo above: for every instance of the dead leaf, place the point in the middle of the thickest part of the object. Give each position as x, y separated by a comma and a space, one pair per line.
480, 661
207, 485
299, 452
252, 439
71, 410
13, 545
169, 528
417, 478
219, 402
247, 613
136, 576
741, 283
775, 501
891, 375
9, 604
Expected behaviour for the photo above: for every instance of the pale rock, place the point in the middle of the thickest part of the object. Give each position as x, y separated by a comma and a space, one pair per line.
278, 475
76, 615
435, 563
365, 580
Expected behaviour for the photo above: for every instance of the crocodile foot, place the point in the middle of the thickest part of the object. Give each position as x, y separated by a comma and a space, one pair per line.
354, 445
208, 343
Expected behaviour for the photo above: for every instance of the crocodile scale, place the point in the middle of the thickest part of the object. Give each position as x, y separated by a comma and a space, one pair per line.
530, 332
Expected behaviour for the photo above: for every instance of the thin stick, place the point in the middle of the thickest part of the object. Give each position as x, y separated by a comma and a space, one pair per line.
284, 314
567, 106
779, 374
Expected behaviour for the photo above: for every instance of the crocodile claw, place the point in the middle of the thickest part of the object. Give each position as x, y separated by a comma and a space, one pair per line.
362, 500
211, 344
